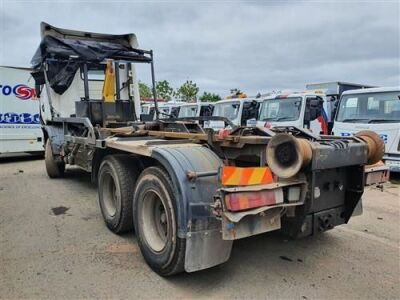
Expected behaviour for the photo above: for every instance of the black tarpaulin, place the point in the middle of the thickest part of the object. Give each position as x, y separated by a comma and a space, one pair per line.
66, 55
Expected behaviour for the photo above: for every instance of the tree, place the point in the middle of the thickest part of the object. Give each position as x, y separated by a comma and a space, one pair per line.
164, 90
144, 90
187, 92
209, 97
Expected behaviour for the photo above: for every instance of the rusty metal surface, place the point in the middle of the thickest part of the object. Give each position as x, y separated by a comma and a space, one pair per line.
286, 155
144, 146
376, 174
252, 224
376, 146
269, 186
237, 216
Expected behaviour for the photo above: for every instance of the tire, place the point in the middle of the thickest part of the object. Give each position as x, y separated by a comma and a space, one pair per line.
116, 180
55, 168
154, 215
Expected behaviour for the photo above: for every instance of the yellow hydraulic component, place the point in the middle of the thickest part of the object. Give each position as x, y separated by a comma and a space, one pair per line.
109, 83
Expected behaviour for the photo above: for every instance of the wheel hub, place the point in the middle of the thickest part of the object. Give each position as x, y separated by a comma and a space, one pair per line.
155, 221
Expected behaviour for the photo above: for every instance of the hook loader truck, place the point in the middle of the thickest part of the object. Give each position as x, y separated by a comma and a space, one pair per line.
188, 193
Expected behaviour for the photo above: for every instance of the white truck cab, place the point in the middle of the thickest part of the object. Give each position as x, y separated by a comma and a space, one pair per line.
240, 111
300, 109
316, 115
199, 109
166, 109
376, 109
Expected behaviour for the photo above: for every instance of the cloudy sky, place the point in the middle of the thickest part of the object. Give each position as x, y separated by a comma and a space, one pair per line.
253, 45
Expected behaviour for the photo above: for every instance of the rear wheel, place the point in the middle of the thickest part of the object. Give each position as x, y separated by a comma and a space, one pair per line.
116, 180
154, 208
55, 167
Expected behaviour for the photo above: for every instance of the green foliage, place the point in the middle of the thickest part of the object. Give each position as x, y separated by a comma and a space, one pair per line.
144, 90
209, 97
164, 90
187, 92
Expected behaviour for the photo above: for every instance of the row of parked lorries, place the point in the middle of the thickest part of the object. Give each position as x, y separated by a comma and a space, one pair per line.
334, 108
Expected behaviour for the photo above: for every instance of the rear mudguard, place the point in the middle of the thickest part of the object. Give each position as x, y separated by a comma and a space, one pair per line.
56, 136
194, 197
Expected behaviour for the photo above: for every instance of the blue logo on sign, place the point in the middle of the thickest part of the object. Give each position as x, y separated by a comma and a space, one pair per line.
384, 137
345, 134
19, 118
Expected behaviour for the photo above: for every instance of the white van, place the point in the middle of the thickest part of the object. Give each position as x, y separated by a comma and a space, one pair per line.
376, 109
20, 129
240, 111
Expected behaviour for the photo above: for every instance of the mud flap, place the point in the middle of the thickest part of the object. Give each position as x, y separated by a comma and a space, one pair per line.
358, 210
205, 249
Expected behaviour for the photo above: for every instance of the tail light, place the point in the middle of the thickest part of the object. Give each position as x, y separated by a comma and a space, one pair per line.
248, 200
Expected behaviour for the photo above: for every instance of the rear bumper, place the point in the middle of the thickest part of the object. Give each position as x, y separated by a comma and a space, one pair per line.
392, 161
249, 222
376, 174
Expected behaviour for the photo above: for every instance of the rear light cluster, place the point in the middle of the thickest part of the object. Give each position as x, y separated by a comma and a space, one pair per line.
247, 200
244, 197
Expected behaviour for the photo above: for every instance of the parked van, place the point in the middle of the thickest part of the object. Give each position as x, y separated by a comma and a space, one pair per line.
20, 129
376, 109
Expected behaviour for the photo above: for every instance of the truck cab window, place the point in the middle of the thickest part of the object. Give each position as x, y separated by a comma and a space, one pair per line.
250, 111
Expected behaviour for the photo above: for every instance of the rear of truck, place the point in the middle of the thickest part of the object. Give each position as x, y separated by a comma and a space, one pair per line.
187, 192
307, 186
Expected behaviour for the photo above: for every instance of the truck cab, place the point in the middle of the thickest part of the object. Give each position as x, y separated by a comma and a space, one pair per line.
376, 109
200, 109
240, 111
166, 109
316, 110
303, 110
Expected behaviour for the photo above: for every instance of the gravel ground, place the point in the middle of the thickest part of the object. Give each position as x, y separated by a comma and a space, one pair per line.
54, 244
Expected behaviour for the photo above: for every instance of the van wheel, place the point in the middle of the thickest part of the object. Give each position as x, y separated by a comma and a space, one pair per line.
116, 180
154, 215
55, 168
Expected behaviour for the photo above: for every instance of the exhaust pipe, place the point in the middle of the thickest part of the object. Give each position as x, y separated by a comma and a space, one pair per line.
286, 155
376, 146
